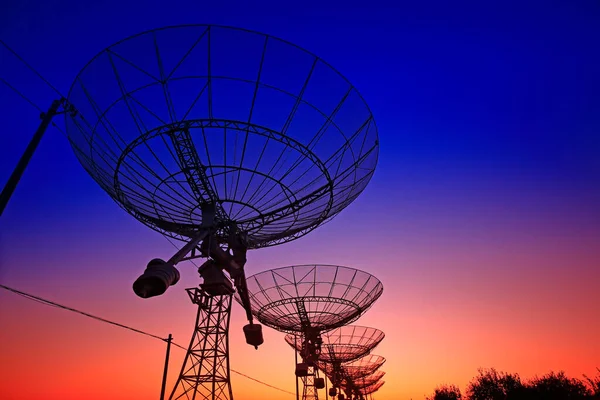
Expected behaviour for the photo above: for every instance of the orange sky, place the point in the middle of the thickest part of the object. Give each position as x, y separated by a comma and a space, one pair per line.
440, 324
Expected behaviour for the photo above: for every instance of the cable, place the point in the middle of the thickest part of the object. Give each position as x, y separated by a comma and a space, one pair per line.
53, 304
32, 69
263, 383
27, 99
37, 107
21, 94
244, 375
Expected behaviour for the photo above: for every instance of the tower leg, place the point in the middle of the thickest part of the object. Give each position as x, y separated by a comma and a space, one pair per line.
205, 371
309, 391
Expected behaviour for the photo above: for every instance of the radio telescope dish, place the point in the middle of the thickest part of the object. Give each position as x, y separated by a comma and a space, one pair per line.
319, 297
307, 300
363, 386
368, 380
340, 346
346, 343
371, 389
364, 366
344, 374
174, 119
353, 370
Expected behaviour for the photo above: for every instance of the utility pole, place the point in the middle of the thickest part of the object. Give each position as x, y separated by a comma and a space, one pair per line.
295, 364
164, 380
10, 186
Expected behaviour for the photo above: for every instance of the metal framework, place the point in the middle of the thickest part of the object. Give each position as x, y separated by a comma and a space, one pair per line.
353, 370
343, 347
309, 391
346, 343
205, 371
319, 297
362, 391
169, 119
372, 389
365, 382
308, 301
227, 156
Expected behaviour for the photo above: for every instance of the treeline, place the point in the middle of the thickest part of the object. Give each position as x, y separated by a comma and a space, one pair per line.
493, 385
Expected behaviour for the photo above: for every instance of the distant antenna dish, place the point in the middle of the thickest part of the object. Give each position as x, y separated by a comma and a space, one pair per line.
349, 343
307, 301
367, 381
363, 392
364, 386
353, 370
316, 297
339, 347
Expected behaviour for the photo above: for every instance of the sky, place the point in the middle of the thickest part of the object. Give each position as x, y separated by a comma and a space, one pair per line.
482, 219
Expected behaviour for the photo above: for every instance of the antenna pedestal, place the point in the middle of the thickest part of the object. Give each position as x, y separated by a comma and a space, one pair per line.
205, 371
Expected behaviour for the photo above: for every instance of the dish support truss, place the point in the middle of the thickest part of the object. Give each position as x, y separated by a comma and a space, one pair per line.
311, 347
309, 391
205, 371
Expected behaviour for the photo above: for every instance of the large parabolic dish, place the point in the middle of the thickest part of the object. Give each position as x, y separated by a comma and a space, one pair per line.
322, 297
176, 118
345, 344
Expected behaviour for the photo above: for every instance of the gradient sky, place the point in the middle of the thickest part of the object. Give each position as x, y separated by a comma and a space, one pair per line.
482, 219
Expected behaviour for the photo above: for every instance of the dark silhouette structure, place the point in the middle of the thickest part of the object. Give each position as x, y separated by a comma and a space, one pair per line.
356, 387
340, 347
446, 392
308, 301
490, 384
357, 369
369, 390
223, 155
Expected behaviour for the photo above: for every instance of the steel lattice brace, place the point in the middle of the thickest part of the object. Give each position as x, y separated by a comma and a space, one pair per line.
309, 391
205, 371
194, 171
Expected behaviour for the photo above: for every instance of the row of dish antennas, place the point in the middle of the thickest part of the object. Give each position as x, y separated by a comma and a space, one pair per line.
311, 348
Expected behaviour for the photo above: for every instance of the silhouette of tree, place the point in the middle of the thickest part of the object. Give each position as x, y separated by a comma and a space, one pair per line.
493, 385
446, 392
558, 386
594, 384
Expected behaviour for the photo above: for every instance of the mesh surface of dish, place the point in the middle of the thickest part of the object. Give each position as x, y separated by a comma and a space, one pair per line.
368, 381
176, 118
321, 297
344, 344
372, 389
353, 370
